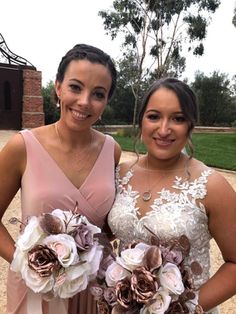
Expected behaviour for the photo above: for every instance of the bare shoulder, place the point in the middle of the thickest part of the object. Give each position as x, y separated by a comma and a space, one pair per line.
117, 149
218, 181
220, 193
117, 153
124, 167
14, 148
42, 133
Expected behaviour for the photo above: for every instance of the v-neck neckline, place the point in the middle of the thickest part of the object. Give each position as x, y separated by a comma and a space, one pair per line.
53, 161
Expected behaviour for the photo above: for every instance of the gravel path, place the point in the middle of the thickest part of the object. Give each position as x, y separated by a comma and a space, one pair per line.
228, 307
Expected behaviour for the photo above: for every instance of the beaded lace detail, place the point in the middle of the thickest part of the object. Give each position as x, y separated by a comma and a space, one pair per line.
173, 213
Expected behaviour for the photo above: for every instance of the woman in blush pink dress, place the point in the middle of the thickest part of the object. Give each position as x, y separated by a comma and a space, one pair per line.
60, 164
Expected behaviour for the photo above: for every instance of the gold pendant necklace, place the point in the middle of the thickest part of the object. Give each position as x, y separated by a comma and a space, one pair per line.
147, 195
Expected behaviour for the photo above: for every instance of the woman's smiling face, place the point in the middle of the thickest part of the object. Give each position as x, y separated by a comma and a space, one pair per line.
164, 126
83, 93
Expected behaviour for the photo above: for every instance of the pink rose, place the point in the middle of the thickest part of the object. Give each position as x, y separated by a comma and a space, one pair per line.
143, 284
124, 293
43, 260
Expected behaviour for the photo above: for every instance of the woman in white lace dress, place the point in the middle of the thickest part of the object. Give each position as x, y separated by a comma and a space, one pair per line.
174, 194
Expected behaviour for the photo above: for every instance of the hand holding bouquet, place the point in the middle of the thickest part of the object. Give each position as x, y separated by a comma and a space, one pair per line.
58, 253
149, 279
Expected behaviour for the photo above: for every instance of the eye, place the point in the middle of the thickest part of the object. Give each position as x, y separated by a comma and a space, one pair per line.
99, 95
153, 116
75, 87
179, 119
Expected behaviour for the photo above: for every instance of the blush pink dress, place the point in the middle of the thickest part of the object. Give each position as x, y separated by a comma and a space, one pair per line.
45, 187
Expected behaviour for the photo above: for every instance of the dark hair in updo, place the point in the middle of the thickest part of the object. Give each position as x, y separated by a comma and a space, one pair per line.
92, 54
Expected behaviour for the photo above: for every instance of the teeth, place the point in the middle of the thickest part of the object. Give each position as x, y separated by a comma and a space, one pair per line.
79, 115
164, 142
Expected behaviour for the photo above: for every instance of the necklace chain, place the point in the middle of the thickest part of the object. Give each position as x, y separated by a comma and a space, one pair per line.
147, 195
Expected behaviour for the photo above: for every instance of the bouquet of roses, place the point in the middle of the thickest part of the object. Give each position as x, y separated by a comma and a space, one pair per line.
147, 279
58, 253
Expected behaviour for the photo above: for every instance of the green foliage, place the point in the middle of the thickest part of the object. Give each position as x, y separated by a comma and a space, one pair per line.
154, 33
216, 104
152, 28
234, 17
233, 124
51, 112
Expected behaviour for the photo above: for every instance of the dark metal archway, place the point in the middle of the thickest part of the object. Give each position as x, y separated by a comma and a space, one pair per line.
11, 87
7, 55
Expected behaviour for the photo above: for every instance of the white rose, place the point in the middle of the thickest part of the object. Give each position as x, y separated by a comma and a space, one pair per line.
75, 280
94, 229
35, 282
65, 248
161, 304
93, 259
114, 273
32, 235
171, 279
20, 259
132, 258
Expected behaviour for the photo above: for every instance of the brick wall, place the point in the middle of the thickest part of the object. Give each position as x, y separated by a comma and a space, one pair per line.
32, 110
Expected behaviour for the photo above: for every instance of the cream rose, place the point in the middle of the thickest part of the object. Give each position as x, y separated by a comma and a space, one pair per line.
92, 258
35, 282
132, 258
32, 235
160, 305
171, 279
114, 273
74, 280
65, 248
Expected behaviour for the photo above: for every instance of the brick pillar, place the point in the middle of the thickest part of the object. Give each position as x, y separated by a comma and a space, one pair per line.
32, 110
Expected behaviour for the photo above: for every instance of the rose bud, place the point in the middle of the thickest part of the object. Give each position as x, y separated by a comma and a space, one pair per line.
152, 258
83, 237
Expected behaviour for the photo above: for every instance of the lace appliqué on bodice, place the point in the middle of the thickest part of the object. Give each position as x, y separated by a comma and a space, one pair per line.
173, 213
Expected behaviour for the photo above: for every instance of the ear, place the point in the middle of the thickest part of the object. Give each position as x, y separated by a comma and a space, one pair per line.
58, 89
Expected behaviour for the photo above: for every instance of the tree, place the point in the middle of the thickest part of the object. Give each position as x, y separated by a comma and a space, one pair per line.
123, 100
51, 112
155, 33
215, 97
234, 17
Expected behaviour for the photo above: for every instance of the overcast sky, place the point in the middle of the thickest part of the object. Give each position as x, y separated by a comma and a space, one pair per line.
42, 32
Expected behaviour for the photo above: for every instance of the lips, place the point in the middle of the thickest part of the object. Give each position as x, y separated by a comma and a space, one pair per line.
164, 142
79, 115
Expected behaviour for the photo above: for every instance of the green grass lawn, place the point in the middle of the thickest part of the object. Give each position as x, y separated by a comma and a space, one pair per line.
214, 149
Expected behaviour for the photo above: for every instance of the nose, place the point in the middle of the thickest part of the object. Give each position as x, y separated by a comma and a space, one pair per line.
83, 99
164, 128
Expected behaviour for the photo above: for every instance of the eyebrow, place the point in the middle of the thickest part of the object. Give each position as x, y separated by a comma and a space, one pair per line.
157, 111
78, 81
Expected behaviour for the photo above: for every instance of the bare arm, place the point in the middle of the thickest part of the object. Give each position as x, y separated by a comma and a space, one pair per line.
117, 153
12, 164
221, 207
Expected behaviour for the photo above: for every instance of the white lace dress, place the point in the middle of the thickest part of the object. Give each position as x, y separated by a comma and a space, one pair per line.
173, 213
